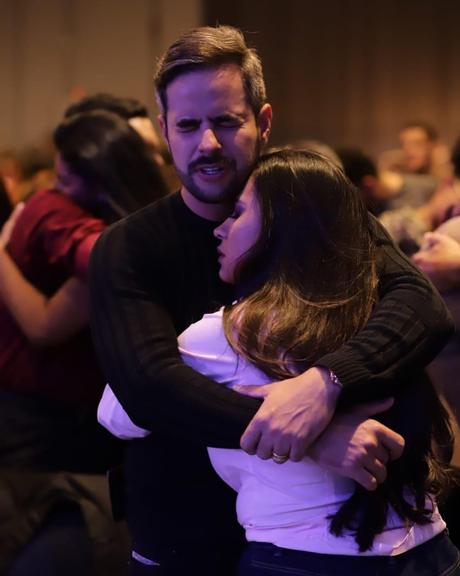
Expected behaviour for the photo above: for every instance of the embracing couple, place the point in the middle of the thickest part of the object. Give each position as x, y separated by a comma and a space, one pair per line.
297, 290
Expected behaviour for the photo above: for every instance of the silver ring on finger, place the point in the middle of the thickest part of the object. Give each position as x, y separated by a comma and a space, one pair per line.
278, 458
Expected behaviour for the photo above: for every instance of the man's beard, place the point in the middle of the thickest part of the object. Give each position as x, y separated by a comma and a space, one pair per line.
227, 193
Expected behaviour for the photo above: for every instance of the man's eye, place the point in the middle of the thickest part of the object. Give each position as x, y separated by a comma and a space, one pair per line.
229, 123
235, 214
187, 126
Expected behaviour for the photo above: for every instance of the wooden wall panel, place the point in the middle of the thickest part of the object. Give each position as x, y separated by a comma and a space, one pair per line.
350, 72
50, 47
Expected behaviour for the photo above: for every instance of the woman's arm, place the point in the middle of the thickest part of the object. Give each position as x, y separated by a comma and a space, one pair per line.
44, 321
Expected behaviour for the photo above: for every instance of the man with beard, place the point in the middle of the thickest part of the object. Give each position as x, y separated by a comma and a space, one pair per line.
156, 273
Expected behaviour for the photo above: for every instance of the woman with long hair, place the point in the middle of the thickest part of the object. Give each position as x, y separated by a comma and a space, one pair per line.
300, 249
53, 457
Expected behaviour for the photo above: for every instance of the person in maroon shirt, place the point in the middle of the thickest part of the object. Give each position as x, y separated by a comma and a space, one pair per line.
49, 380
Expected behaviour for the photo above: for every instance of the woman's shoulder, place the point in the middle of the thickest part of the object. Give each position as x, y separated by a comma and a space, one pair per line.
206, 336
204, 347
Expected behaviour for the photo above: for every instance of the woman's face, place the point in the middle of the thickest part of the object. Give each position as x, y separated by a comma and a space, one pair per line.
239, 233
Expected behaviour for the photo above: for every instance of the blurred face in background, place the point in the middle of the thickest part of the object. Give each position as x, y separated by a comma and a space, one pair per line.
70, 183
417, 149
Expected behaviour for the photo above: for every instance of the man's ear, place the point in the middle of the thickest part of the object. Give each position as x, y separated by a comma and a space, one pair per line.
264, 122
164, 129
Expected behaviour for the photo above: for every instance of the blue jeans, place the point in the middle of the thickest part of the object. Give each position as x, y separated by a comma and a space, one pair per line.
437, 557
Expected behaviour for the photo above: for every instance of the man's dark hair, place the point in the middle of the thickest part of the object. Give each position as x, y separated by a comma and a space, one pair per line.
125, 107
429, 129
209, 47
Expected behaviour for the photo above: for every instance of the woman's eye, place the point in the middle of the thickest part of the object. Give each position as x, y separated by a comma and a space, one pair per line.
234, 215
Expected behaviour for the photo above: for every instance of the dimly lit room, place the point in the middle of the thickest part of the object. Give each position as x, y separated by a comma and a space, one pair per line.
229, 264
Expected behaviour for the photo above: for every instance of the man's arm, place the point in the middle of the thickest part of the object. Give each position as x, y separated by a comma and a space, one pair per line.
408, 328
137, 345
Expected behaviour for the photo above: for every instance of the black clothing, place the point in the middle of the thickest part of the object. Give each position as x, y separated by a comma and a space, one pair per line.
151, 276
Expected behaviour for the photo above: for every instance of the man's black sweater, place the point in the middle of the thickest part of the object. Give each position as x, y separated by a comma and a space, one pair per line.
151, 276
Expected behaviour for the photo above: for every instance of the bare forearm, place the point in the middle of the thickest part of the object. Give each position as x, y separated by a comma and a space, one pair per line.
44, 321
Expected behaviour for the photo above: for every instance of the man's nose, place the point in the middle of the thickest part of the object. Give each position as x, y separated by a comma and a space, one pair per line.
209, 141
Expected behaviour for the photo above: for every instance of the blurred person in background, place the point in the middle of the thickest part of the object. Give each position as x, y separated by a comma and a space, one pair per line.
445, 203
361, 170
407, 225
412, 173
53, 456
26, 171
137, 116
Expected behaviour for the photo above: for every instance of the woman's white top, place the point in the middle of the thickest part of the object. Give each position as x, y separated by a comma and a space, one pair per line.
287, 505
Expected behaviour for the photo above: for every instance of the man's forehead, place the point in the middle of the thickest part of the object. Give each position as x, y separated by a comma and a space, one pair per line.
413, 133
209, 91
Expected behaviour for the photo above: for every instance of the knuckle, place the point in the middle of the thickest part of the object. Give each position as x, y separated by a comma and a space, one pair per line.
295, 455
361, 459
372, 485
263, 456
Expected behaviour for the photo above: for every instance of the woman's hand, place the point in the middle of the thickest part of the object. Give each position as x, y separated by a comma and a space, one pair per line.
439, 258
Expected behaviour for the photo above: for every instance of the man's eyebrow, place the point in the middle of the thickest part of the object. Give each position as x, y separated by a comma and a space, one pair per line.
186, 119
228, 116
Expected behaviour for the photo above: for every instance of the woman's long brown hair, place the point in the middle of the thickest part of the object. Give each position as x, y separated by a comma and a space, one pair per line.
314, 265
308, 286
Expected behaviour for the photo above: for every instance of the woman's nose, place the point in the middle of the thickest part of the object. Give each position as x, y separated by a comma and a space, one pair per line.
219, 232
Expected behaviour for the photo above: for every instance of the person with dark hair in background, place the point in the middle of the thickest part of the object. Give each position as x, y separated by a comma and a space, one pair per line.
53, 456
301, 245
127, 108
134, 112
362, 172
155, 273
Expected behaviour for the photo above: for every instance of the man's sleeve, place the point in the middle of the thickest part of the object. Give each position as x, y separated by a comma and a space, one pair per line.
137, 346
408, 328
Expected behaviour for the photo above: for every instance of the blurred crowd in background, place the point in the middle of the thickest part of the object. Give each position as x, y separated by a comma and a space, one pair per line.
106, 160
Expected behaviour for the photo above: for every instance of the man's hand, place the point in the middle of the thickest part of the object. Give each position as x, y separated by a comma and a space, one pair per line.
357, 447
439, 258
292, 416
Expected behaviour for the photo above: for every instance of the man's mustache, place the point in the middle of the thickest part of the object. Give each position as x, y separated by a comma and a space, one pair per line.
206, 160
